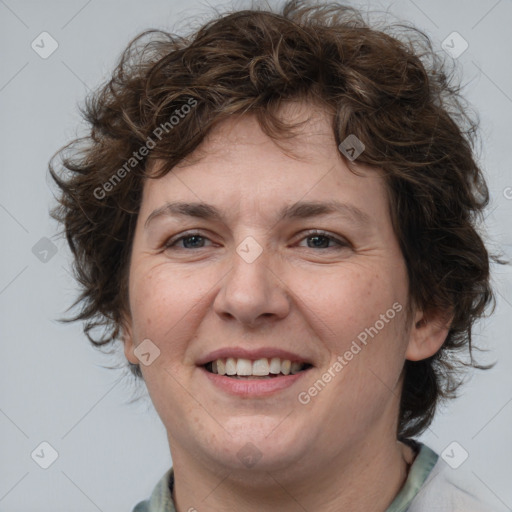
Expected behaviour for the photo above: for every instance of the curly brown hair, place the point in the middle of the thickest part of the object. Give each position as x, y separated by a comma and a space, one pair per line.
387, 86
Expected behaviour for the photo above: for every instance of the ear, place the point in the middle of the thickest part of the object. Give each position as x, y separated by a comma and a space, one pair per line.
127, 337
428, 333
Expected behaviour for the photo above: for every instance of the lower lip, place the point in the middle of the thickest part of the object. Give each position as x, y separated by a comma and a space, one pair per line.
253, 387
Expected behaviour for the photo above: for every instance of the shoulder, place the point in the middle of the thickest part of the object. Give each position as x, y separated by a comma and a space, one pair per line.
449, 490
161, 497
143, 506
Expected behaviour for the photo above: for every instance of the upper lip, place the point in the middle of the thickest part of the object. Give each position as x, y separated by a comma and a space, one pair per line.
260, 353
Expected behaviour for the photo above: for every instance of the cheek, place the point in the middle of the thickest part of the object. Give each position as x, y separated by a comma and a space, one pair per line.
346, 302
372, 344
359, 316
163, 303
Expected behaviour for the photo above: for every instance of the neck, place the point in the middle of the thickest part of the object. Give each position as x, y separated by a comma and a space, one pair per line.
366, 476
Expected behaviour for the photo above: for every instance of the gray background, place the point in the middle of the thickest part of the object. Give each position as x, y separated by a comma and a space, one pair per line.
55, 387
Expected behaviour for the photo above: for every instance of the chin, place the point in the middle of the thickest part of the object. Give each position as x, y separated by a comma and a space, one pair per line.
259, 444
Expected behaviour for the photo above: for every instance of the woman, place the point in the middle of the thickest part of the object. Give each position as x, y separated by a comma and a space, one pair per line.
276, 216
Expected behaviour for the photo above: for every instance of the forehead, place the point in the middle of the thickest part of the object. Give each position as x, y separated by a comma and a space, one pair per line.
241, 168
311, 141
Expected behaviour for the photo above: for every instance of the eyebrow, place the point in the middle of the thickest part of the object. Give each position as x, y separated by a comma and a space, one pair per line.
299, 210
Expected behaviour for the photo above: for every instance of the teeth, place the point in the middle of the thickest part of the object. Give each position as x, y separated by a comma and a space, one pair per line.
259, 368
231, 366
275, 365
221, 367
295, 368
244, 367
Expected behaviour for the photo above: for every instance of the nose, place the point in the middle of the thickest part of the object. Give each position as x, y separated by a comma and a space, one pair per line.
252, 293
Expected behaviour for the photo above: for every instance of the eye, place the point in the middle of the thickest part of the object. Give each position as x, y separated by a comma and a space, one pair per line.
190, 241
321, 240
316, 239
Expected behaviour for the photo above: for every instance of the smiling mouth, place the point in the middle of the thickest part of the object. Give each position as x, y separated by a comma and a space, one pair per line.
264, 368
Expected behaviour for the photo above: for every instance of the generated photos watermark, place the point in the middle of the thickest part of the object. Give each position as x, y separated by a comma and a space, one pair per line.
304, 397
137, 156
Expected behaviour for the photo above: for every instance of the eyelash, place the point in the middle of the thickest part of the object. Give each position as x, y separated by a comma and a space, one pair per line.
171, 243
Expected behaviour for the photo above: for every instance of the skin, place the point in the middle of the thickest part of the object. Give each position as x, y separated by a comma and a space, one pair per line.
339, 451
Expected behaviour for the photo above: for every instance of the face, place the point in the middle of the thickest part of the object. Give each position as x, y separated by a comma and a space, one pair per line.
286, 262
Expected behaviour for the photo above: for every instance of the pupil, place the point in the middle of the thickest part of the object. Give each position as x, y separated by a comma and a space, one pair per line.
192, 237
322, 238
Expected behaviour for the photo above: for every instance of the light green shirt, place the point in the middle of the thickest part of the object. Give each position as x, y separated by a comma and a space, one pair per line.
441, 495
